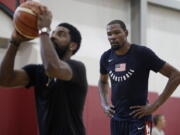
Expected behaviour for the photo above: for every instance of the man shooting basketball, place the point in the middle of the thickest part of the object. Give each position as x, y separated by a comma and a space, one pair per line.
60, 83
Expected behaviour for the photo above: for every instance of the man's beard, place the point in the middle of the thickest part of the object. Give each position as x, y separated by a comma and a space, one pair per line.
117, 46
61, 51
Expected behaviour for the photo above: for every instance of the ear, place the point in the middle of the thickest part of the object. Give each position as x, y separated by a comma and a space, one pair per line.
73, 46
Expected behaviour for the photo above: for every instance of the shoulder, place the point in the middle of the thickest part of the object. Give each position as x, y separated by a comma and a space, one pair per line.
141, 48
79, 71
105, 56
106, 53
77, 66
75, 63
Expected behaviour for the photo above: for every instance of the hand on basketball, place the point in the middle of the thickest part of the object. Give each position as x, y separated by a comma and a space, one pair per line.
44, 17
141, 111
109, 110
17, 37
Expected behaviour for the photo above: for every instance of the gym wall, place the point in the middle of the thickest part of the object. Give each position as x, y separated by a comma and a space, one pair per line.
17, 107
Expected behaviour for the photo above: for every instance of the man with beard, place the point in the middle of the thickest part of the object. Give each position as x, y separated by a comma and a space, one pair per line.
128, 66
60, 83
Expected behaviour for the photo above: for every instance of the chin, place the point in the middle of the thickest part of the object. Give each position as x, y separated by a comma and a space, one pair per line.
116, 47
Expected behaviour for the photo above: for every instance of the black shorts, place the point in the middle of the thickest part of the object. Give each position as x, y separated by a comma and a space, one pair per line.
131, 127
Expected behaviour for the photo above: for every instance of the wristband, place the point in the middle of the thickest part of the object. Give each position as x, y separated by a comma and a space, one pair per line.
44, 30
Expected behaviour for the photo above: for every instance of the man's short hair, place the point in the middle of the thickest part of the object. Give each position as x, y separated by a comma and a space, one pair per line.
74, 33
121, 23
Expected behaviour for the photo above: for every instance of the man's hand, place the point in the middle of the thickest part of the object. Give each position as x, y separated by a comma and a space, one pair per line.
141, 111
16, 36
44, 17
109, 110
17, 39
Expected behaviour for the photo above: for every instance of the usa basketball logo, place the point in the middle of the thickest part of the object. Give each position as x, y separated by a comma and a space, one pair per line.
126, 73
9, 6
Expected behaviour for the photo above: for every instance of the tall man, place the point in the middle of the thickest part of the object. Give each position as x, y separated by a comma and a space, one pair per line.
60, 83
128, 66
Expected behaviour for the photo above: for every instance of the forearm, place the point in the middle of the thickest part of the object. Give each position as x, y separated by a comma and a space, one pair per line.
103, 92
53, 65
172, 84
48, 53
7, 65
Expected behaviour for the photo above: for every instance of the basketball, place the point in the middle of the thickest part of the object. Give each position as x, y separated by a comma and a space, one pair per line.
25, 19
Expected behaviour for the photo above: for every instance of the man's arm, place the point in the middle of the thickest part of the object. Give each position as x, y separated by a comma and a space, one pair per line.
103, 92
174, 80
8, 76
53, 65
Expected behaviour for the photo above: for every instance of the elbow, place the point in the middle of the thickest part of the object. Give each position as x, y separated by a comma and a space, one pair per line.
7, 79
102, 82
51, 69
4, 82
175, 77
178, 78
1, 83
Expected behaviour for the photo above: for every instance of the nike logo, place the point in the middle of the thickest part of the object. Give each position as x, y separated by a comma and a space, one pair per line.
140, 128
110, 60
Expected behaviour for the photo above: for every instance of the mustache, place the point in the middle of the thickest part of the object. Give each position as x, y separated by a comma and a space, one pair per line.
114, 43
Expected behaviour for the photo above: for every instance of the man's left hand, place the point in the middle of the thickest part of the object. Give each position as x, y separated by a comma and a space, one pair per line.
44, 17
141, 111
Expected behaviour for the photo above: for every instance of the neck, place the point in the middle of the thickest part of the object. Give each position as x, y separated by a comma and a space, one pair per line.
124, 49
67, 56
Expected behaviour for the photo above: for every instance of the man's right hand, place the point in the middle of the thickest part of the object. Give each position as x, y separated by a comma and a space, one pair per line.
109, 110
18, 38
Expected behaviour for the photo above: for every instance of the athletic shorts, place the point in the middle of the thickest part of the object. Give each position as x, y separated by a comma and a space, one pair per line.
131, 127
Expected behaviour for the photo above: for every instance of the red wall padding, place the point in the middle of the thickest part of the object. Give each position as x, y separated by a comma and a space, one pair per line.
17, 112
11, 4
171, 110
96, 122
18, 115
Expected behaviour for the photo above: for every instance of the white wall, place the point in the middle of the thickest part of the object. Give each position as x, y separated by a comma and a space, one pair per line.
163, 37
5, 25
